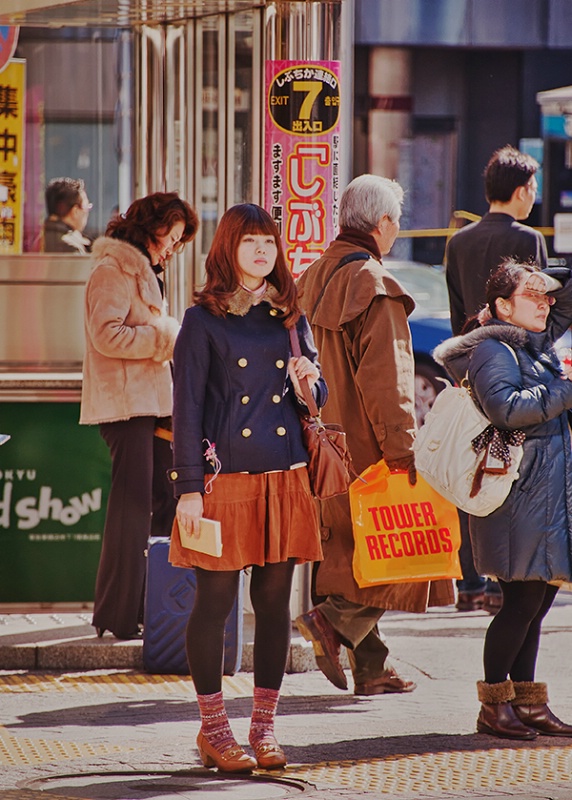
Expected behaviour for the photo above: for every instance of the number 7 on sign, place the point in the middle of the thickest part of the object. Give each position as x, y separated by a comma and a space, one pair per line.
313, 89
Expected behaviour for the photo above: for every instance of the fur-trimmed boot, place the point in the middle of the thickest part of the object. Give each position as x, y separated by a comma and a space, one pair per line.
497, 716
530, 706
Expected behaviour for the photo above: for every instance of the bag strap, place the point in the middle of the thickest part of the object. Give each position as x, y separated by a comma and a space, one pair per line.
345, 260
304, 385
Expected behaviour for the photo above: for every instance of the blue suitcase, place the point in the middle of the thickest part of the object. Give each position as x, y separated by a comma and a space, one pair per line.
169, 596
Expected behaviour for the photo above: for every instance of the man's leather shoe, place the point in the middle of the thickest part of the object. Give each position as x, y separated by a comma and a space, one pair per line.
388, 683
492, 602
315, 628
470, 601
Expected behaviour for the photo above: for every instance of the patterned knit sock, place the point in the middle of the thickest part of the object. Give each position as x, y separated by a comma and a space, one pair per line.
263, 711
214, 722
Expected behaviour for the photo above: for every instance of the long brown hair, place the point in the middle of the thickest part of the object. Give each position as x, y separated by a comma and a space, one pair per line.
153, 216
221, 266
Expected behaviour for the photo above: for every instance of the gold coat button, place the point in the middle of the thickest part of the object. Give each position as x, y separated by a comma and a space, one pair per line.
273, 312
246, 432
174, 475
244, 400
276, 398
279, 363
242, 362
281, 431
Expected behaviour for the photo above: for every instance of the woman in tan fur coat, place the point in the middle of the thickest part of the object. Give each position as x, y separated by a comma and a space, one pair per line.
127, 390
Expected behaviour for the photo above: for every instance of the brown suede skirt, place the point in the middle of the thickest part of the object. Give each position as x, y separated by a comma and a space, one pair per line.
265, 519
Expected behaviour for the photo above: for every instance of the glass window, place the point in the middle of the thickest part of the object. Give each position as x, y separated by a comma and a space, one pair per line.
211, 133
72, 97
243, 190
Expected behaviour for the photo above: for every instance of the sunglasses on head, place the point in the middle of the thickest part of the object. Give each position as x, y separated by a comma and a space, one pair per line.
537, 297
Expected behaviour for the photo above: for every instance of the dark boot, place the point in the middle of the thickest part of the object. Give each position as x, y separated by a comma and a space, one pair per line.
530, 706
497, 716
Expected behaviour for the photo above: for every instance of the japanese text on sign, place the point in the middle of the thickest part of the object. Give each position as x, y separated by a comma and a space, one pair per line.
12, 121
302, 156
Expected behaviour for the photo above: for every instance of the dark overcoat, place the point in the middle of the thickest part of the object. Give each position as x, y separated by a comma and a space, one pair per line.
476, 250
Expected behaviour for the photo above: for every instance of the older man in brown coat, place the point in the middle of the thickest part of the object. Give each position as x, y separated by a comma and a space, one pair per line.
358, 312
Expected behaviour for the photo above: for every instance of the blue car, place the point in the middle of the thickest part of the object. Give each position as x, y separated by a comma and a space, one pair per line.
430, 325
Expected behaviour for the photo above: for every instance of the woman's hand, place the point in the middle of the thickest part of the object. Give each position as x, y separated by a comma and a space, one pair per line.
299, 368
539, 282
189, 512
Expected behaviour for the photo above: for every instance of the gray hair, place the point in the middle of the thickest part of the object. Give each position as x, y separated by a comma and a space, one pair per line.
367, 199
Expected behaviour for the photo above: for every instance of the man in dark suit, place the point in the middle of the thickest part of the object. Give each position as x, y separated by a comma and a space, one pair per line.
478, 249
472, 254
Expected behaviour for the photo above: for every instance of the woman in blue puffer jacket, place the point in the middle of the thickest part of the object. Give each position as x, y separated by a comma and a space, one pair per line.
517, 380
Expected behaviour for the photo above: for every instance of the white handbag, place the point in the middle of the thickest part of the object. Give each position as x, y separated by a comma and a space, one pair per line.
476, 482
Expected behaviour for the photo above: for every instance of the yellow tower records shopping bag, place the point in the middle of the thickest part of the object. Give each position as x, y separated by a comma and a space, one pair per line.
402, 532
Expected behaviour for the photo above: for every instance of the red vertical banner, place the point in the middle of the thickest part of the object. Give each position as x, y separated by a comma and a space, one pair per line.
302, 156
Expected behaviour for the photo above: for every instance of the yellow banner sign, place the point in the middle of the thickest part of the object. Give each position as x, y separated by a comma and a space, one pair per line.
12, 121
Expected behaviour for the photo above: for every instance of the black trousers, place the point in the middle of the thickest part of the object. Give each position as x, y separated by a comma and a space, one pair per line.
141, 503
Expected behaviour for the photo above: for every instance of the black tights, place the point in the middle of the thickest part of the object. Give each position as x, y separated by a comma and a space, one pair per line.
270, 588
513, 637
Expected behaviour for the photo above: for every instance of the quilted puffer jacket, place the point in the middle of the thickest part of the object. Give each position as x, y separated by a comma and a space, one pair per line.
521, 387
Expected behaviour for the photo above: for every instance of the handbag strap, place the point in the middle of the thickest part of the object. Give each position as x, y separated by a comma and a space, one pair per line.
304, 385
345, 260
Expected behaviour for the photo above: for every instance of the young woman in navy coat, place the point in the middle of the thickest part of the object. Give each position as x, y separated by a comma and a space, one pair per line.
239, 458
516, 379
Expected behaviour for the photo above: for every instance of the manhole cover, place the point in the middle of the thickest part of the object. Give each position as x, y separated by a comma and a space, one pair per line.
162, 785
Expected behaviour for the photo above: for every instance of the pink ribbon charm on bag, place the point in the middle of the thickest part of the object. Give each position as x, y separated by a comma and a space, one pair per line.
214, 461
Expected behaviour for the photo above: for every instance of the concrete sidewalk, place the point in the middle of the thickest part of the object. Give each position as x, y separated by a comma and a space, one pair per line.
119, 734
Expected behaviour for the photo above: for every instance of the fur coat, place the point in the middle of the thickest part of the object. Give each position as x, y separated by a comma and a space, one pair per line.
129, 338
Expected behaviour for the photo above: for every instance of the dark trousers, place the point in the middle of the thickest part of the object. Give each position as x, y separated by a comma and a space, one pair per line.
140, 503
472, 582
357, 627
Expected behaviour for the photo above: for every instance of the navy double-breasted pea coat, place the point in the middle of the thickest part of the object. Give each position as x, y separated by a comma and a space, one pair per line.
231, 389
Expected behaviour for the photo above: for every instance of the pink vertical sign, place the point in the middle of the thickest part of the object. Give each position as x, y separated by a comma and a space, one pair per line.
302, 155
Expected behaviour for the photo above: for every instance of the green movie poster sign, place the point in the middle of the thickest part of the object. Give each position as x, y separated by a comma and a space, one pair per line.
54, 482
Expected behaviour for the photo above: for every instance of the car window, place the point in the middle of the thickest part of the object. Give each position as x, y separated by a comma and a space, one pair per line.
426, 284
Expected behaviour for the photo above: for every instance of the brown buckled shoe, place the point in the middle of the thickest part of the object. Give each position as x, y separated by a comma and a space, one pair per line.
315, 628
388, 683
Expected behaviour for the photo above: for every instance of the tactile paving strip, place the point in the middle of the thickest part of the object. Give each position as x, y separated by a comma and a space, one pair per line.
442, 772
17, 750
30, 794
234, 686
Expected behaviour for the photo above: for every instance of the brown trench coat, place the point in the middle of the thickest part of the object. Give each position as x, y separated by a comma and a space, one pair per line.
364, 343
